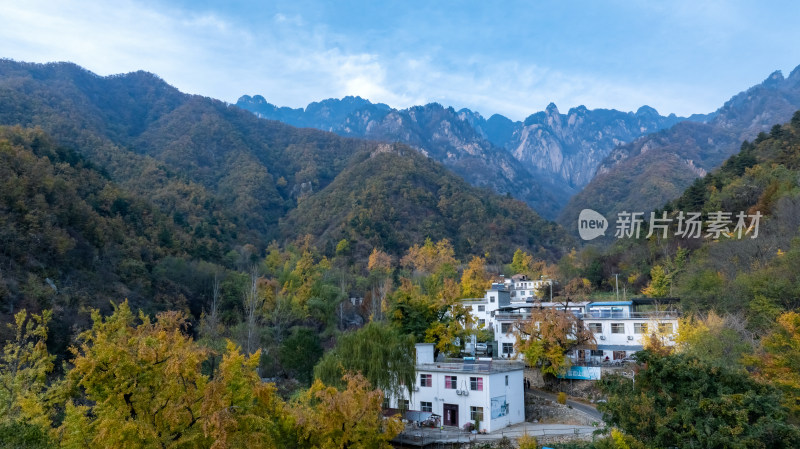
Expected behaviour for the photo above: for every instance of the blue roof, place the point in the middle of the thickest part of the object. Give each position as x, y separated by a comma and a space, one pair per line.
611, 303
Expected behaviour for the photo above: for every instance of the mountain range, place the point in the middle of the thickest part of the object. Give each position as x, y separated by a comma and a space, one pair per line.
221, 170
646, 173
543, 160
562, 163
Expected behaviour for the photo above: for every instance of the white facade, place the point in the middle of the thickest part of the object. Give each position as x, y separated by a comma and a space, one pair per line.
463, 391
618, 327
522, 289
484, 309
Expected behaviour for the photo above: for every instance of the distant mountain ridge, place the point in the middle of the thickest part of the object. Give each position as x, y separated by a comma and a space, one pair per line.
649, 171
543, 161
223, 174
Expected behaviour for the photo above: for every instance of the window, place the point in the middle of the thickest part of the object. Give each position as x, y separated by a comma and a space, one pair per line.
426, 406
426, 380
476, 413
665, 328
596, 328
481, 322
481, 308
619, 355
403, 404
639, 328
508, 348
450, 382
476, 383
386, 403
505, 328
597, 353
617, 328
491, 299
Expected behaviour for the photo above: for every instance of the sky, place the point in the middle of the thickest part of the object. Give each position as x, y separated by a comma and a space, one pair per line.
506, 57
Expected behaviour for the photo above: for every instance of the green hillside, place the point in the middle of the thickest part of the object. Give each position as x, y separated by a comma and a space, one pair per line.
394, 198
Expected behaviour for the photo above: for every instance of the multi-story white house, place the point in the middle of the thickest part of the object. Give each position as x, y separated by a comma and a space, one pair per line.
619, 327
461, 391
484, 309
523, 289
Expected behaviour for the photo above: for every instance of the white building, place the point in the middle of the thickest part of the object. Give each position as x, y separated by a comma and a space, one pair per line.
489, 391
619, 327
523, 289
484, 309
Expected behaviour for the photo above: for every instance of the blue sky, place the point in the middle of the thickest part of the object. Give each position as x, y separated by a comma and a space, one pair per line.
509, 57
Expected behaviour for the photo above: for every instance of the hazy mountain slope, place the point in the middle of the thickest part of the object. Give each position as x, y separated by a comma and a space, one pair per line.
654, 169
542, 161
438, 132
572, 145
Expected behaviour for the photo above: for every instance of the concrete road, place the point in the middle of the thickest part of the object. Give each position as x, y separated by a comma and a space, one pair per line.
585, 408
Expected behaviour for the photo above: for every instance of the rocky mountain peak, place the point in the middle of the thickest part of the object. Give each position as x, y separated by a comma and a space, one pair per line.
647, 111
774, 79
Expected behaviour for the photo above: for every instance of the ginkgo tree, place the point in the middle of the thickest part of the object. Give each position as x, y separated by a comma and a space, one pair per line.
546, 338
143, 382
26, 396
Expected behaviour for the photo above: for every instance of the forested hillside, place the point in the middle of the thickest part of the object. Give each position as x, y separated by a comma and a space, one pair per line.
122, 187
656, 168
215, 169
542, 161
395, 197
734, 271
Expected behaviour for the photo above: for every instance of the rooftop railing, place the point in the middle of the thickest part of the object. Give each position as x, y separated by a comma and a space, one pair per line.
650, 315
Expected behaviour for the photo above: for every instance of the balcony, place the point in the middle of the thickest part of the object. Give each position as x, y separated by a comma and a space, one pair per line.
600, 315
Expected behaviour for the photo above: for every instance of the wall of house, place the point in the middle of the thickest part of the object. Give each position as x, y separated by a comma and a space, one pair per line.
507, 402
493, 387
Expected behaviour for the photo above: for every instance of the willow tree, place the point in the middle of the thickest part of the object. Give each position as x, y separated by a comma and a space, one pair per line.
378, 352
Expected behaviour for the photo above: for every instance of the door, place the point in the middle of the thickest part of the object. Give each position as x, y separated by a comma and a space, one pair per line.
450, 414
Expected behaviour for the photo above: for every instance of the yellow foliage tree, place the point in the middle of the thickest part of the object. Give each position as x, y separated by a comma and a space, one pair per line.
779, 359
431, 258
327, 418
475, 280
546, 338
144, 382
239, 410
25, 395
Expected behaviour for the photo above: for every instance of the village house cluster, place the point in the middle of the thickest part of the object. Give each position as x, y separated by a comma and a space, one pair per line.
489, 389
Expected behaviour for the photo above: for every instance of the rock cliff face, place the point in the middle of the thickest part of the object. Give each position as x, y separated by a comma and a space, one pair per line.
646, 173
571, 146
542, 161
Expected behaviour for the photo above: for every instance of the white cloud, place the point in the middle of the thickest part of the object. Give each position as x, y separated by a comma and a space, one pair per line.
293, 62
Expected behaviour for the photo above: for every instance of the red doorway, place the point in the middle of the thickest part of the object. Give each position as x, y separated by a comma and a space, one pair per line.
450, 415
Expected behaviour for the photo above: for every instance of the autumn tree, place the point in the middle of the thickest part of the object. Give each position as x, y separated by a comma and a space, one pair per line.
522, 263
431, 258
546, 338
384, 356
329, 418
778, 359
239, 410
143, 382
380, 269
722, 340
26, 396
453, 321
475, 280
